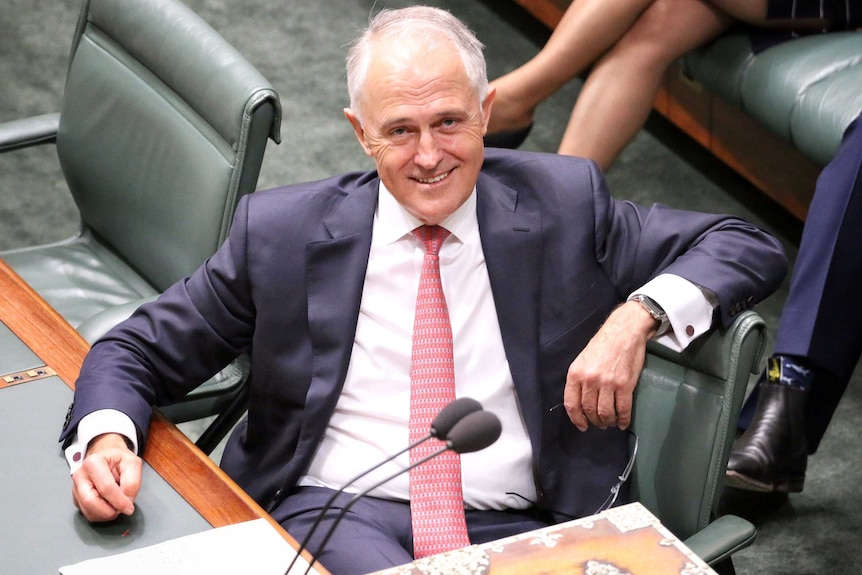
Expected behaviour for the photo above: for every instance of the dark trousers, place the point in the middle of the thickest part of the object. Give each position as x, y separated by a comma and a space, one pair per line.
822, 318
376, 534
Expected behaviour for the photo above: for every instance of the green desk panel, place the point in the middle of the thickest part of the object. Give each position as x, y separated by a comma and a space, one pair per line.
40, 529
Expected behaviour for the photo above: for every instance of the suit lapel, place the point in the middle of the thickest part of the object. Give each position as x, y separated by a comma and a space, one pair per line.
335, 270
511, 240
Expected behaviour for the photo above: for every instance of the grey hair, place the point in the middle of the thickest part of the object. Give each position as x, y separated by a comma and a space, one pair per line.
422, 25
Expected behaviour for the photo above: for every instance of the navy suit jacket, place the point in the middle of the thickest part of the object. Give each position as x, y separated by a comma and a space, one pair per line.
286, 288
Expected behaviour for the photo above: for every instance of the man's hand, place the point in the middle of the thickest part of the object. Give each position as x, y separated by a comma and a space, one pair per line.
108, 481
601, 380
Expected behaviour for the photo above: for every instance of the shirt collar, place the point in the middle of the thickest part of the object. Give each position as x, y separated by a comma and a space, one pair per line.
392, 222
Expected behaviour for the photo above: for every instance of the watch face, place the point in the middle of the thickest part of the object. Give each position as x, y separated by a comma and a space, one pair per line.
656, 312
652, 307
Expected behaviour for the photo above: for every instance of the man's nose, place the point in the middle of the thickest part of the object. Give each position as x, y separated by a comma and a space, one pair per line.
428, 153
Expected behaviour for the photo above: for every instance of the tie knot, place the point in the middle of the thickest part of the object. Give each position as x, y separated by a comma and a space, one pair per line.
431, 237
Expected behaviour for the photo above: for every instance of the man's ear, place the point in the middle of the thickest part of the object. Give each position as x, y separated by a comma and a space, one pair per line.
357, 129
486, 108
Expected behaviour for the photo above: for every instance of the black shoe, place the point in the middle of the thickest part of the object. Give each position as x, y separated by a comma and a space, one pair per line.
508, 138
771, 455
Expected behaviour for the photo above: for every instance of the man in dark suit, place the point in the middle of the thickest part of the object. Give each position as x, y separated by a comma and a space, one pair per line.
552, 287
819, 338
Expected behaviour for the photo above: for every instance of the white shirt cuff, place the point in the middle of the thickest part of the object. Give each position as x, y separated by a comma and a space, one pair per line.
688, 308
95, 424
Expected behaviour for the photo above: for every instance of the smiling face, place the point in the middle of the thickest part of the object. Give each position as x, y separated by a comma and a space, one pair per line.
423, 124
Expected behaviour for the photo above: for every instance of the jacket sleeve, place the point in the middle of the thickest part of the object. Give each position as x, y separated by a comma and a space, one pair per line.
737, 261
173, 344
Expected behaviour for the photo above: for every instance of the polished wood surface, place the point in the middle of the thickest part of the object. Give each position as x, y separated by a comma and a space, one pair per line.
770, 163
170, 453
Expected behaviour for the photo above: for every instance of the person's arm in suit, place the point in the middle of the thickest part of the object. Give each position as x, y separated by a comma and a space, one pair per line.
124, 373
729, 258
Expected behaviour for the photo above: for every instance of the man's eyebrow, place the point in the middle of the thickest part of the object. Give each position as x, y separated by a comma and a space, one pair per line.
396, 122
451, 113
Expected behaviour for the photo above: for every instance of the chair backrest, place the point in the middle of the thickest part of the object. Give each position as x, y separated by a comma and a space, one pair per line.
162, 129
685, 413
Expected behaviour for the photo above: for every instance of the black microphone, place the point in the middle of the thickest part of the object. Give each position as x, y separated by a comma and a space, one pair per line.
448, 417
474, 432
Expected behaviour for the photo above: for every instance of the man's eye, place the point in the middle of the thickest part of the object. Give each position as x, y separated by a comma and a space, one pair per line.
398, 131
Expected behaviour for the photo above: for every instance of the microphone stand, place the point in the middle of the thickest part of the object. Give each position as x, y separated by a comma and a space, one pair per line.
448, 417
359, 496
331, 500
473, 432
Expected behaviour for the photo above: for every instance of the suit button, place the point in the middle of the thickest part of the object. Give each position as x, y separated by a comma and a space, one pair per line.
68, 415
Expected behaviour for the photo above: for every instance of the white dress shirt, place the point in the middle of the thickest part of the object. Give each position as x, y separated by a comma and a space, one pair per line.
372, 415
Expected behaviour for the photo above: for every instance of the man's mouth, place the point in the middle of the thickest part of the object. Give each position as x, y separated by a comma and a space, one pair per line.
435, 179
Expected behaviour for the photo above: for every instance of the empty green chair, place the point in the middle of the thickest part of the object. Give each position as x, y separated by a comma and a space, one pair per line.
162, 129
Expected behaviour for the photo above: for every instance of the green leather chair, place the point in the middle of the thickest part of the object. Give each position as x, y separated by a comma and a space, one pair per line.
685, 412
162, 128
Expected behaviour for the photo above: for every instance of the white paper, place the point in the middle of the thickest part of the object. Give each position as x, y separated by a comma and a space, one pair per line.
248, 547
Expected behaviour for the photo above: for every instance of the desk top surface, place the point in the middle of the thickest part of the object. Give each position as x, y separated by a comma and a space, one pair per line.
41, 530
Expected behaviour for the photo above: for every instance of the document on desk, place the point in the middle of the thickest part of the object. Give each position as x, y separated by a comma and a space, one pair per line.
248, 547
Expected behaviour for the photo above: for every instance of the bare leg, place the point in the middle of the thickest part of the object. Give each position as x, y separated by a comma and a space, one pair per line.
619, 93
588, 28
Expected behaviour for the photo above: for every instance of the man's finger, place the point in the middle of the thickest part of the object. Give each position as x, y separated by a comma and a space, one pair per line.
107, 487
606, 412
573, 405
88, 501
130, 477
624, 409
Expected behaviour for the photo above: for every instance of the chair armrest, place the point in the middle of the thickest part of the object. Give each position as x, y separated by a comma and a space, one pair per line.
721, 538
98, 325
26, 132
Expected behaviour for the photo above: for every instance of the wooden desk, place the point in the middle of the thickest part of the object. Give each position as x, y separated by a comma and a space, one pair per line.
218, 499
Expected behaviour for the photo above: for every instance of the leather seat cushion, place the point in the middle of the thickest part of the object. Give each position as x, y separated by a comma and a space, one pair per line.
806, 90
78, 277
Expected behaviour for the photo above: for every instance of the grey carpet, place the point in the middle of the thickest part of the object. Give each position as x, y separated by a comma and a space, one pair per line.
299, 46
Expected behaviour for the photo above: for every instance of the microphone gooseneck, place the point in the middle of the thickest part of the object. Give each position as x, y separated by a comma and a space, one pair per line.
475, 431
446, 419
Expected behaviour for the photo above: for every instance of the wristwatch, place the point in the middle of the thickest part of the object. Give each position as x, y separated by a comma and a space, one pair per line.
655, 311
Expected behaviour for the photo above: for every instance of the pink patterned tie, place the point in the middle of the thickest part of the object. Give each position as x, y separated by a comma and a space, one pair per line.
436, 500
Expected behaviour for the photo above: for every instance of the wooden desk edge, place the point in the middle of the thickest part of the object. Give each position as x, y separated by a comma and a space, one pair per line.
171, 454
